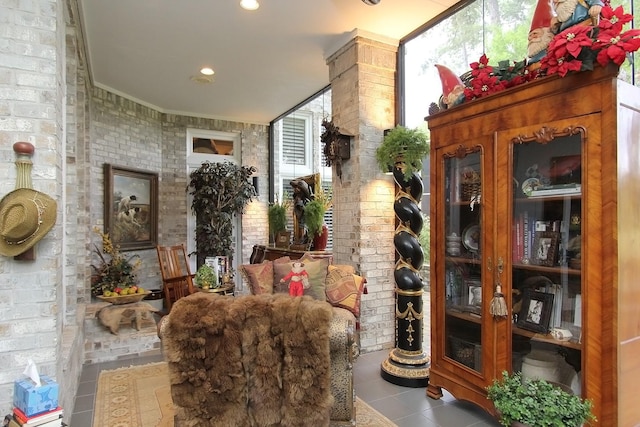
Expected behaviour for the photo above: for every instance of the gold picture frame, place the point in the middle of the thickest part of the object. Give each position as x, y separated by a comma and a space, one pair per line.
131, 207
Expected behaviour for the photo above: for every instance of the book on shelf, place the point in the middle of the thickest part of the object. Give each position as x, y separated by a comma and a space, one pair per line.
556, 190
39, 419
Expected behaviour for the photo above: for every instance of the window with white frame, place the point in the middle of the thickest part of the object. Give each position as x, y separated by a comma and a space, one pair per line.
299, 150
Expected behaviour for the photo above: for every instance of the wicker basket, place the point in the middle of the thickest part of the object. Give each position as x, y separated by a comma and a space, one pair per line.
466, 352
124, 299
469, 190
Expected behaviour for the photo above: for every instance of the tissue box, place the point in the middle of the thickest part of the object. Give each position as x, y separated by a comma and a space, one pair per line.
34, 400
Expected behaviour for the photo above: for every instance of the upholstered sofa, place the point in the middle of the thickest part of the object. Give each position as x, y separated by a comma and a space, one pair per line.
337, 284
259, 360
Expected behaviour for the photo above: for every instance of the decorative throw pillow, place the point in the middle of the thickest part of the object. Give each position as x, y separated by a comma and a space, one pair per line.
259, 276
281, 267
345, 289
315, 268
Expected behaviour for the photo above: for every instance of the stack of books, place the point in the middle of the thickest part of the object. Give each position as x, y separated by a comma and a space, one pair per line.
51, 418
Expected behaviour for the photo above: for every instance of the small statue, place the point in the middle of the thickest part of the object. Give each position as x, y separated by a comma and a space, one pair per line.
301, 196
540, 34
575, 12
452, 86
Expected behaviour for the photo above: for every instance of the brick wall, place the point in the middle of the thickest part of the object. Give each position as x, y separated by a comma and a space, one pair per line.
32, 90
362, 75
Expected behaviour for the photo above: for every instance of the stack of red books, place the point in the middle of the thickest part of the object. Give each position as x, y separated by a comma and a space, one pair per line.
51, 418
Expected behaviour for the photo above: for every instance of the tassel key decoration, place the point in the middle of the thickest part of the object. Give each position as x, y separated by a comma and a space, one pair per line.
498, 306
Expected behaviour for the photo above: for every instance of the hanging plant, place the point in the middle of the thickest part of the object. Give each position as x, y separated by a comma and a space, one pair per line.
404, 148
220, 191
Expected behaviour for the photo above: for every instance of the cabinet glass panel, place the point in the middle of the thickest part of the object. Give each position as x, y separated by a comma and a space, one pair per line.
546, 261
463, 281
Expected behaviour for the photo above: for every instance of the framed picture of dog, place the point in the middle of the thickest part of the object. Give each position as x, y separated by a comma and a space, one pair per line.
131, 207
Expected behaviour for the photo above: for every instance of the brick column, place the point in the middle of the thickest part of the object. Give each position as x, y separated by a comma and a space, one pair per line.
362, 75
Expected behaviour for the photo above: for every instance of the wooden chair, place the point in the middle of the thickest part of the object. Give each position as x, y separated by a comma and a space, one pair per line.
177, 280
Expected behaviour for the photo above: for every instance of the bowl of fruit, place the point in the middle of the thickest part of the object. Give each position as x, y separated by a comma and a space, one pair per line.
124, 295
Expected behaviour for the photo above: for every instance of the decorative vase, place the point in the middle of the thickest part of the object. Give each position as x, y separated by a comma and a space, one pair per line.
320, 240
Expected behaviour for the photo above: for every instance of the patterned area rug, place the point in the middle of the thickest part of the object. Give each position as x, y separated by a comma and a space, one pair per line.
140, 396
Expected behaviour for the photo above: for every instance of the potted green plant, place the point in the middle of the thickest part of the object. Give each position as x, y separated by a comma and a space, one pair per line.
277, 215
206, 277
405, 148
220, 191
537, 403
314, 212
314, 217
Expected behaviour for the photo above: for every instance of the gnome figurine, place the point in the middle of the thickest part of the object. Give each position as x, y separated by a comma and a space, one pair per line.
540, 34
452, 86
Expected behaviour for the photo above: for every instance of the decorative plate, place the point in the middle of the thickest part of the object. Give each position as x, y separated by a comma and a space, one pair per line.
124, 299
471, 238
529, 185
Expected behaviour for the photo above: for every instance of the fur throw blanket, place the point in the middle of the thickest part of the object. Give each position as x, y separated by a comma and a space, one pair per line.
255, 360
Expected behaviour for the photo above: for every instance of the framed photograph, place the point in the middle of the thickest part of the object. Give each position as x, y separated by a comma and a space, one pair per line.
545, 248
131, 207
283, 239
535, 313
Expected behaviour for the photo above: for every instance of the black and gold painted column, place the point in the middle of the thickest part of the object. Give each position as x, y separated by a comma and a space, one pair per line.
407, 364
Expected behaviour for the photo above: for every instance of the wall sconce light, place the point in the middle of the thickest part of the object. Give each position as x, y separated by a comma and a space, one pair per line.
255, 185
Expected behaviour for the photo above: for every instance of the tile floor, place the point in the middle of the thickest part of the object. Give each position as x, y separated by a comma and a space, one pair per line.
406, 406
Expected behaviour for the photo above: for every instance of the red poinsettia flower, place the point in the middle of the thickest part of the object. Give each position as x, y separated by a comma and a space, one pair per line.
614, 48
571, 41
559, 66
481, 66
611, 19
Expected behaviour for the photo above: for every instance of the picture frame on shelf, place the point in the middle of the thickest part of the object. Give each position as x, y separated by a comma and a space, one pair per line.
283, 239
535, 313
545, 248
131, 207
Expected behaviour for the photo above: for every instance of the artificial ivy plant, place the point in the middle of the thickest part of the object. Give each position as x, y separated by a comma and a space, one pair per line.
220, 191
537, 403
405, 147
277, 215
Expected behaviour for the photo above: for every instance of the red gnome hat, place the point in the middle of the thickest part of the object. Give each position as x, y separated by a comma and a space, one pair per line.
450, 83
542, 15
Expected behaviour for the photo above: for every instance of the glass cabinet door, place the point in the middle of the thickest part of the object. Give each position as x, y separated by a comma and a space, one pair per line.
546, 240
462, 268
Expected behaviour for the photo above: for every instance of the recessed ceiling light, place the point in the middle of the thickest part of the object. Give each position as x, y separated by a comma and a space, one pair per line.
249, 4
207, 71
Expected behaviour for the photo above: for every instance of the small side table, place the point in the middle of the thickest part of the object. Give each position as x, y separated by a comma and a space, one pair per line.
222, 290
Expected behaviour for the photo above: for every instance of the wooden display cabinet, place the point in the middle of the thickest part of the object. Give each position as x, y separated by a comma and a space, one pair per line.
537, 189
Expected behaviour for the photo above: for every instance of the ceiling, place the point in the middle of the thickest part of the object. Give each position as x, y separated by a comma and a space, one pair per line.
266, 61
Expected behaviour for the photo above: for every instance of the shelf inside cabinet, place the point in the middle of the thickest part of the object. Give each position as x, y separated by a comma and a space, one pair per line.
463, 259
538, 199
546, 338
550, 270
463, 315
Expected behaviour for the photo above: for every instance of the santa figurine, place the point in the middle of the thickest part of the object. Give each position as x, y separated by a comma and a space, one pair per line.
452, 86
299, 279
540, 34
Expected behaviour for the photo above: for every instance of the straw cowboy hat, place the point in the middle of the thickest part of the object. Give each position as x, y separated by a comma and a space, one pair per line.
26, 215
